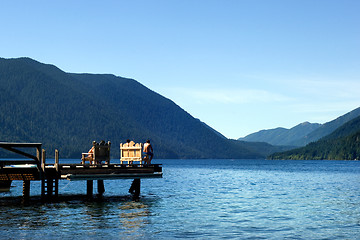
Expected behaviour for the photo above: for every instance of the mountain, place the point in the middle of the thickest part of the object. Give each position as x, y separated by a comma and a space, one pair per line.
342, 144
67, 111
282, 136
326, 128
301, 134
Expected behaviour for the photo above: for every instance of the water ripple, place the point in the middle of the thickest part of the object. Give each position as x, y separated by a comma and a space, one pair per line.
200, 199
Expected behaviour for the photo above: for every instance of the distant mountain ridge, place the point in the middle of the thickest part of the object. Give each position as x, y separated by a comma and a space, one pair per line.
301, 134
342, 144
282, 136
67, 111
327, 128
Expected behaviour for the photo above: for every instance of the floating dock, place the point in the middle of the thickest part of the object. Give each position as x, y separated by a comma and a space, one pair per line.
36, 169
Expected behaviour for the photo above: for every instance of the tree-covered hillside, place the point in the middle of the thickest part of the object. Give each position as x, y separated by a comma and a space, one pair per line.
65, 111
342, 144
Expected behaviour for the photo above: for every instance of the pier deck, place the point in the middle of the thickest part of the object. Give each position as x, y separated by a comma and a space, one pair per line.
108, 172
49, 174
17, 170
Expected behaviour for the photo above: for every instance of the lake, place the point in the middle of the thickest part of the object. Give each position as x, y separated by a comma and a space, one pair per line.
199, 199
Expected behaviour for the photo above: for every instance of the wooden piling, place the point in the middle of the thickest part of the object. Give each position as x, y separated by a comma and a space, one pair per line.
38, 158
57, 160
89, 188
26, 190
57, 173
56, 193
43, 177
101, 187
50, 187
43, 160
135, 188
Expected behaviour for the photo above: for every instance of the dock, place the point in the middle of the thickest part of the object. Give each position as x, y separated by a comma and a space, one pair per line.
35, 168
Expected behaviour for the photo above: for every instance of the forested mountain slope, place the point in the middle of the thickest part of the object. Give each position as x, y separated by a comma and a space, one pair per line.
41, 103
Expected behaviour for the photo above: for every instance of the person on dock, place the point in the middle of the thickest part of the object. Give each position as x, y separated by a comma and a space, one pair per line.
148, 151
90, 157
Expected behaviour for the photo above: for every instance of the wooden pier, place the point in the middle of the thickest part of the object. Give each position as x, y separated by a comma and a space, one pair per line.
36, 169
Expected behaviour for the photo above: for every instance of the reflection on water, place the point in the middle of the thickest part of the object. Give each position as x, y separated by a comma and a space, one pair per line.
133, 216
106, 216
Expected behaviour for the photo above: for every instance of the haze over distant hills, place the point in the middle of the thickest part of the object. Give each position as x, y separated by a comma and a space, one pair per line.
301, 134
67, 111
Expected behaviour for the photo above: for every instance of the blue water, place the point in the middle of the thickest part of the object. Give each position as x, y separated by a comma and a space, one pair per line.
200, 199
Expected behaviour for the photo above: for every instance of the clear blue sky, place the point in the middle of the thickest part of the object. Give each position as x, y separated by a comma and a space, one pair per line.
239, 66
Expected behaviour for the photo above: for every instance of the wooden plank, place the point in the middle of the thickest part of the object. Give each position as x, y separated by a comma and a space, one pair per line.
14, 144
57, 160
78, 177
10, 148
43, 160
19, 176
130, 152
113, 172
119, 172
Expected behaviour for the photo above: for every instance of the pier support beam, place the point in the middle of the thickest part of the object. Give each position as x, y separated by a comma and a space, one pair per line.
42, 175
135, 188
101, 187
56, 193
57, 173
50, 188
26, 190
89, 188
43, 191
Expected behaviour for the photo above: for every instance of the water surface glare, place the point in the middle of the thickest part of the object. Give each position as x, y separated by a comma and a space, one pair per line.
200, 199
